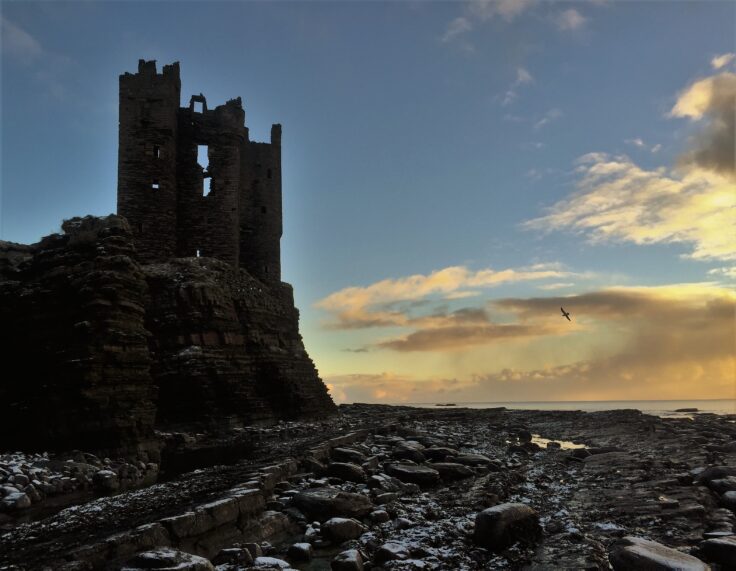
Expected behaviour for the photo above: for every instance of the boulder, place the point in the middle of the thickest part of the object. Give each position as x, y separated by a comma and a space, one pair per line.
349, 560
346, 471
300, 552
723, 485
233, 556
637, 554
439, 453
500, 526
16, 501
450, 471
270, 563
324, 503
409, 450
728, 500
721, 550
379, 516
420, 475
390, 551
339, 529
167, 559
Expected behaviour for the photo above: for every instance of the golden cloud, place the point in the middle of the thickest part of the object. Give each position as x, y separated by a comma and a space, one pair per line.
617, 200
375, 305
673, 342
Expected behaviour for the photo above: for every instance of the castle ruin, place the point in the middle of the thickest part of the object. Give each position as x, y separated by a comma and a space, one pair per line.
228, 208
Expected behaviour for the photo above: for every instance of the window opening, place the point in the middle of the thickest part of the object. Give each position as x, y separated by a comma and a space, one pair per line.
206, 186
198, 106
157, 151
198, 253
155, 184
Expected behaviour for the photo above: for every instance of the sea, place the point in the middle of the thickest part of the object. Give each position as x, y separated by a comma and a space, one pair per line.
664, 408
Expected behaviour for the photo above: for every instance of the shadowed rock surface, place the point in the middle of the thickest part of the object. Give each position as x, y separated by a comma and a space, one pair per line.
107, 345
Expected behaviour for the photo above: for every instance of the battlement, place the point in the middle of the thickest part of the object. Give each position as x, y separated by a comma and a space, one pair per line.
227, 208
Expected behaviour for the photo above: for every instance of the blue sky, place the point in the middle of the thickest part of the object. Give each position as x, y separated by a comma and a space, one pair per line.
418, 136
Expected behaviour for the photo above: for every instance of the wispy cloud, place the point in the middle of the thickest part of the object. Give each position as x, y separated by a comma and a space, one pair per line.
375, 305
727, 272
47, 69
570, 20
617, 200
640, 144
722, 60
19, 44
549, 116
523, 77
479, 11
555, 286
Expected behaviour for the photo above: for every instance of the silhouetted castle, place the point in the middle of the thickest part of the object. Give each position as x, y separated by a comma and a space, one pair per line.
228, 209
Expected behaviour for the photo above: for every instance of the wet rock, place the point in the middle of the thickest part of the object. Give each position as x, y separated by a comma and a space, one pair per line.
106, 481
270, 563
390, 551
714, 473
340, 529
384, 482
165, 558
409, 451
500, 526
254, 549
324, 503
721, 550
473, 459
16, 501
439, 453
348, 455
349, 560
723, 485
346, 471
636, 554
300, 552
420, 475
233, 556
728, 500
379, 516
450, 471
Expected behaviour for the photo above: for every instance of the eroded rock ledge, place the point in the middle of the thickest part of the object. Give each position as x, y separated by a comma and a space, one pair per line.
110, 348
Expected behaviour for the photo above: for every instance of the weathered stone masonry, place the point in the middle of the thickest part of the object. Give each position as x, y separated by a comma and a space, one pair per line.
228, 208
175, 317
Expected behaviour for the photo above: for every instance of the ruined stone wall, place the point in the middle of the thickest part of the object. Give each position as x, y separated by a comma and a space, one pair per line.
260, 211
147, 183
75, 349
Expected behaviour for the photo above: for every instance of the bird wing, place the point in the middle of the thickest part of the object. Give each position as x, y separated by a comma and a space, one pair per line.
567, 315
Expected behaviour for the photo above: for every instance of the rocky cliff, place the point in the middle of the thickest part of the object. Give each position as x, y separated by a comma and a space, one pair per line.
98, 349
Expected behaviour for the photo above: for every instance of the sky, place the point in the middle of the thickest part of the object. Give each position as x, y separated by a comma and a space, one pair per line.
453, 174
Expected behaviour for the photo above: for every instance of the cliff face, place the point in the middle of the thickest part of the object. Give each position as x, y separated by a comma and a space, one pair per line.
74, 346
108, 346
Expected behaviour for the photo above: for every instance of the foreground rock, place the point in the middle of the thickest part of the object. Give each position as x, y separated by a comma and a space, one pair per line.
324, 503
499, 527
168, 559
638, 554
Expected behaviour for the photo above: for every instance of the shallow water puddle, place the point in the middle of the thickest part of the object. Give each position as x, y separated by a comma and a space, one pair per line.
564, 444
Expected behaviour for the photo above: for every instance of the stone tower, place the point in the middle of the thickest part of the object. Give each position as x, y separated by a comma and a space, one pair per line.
190, 181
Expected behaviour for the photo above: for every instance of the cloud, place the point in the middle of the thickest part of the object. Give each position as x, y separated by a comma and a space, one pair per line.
618, 201
550, 116
479, 11
505, 9
570, 20
664, 342
360, 307
678, 343
727, 272
455, 28
554, 286
722, 60
18, 43
640, 144
711, 100
523, 77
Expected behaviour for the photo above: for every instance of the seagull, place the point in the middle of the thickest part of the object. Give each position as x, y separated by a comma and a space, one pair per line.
565, 314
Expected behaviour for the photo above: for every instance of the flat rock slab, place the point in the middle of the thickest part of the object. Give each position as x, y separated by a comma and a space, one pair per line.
165, 558
638, 554
324, 503
420, 475
720, 550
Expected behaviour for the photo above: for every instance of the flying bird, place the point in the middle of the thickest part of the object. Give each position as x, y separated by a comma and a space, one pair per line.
565, 314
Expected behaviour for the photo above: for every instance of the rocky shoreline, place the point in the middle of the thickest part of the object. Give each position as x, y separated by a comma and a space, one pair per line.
383, 488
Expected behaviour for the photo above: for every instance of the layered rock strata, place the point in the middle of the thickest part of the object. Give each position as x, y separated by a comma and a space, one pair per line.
106, 345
